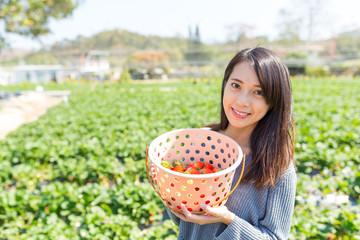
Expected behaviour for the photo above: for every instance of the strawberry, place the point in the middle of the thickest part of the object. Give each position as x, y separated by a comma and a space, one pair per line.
179, 168
189, 166
208, 165
199, 165
217, 169
331, 236
177, 162
193, 170
206, 171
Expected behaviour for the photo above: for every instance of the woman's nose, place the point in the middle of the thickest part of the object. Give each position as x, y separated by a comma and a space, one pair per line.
243, 99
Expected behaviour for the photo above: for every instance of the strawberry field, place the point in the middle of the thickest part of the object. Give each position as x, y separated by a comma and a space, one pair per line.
78, 172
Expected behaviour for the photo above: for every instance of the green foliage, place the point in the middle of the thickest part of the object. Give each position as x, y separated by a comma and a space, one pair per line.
317, 71
196, 50
39, 58
3, 43
121, 39
121, 44
78, 171
289, 28
30, 18
125, 76
347, 45
296, 55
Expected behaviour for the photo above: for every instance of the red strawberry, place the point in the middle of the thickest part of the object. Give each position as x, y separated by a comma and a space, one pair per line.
207, 171
193, 170
331, 236
179, 168
199, 165
217, 169
208, 165
189, 166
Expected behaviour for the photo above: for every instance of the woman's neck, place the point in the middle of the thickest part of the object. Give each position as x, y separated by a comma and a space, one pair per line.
241, 136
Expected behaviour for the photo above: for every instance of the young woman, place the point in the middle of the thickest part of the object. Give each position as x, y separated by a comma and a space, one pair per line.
256, 111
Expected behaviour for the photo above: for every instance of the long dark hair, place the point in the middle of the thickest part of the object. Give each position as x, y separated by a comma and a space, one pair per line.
272, 140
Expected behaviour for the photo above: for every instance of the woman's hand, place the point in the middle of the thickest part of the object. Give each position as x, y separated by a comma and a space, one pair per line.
212, 215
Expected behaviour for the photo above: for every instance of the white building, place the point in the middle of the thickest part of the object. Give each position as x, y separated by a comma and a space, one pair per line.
38, 73
94, 64
6, 76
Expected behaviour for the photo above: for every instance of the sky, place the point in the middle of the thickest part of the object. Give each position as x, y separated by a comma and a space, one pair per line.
171, 18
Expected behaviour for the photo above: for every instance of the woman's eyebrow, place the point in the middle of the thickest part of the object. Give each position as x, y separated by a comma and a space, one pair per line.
238, 80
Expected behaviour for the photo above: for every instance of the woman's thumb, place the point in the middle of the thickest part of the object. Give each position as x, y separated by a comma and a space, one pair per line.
208, 209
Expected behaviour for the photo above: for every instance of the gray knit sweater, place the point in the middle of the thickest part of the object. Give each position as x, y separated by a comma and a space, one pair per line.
260, 214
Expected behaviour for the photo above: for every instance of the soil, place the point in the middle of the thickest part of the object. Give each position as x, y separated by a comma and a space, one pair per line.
27, 107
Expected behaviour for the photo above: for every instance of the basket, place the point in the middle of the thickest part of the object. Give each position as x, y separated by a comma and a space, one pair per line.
188, 146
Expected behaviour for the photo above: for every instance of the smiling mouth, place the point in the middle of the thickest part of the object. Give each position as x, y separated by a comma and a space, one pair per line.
240, 114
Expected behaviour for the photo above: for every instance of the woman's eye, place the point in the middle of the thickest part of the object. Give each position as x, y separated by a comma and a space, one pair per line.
258, 92
235, 85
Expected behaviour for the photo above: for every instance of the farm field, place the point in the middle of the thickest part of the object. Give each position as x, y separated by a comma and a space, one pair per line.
78, 172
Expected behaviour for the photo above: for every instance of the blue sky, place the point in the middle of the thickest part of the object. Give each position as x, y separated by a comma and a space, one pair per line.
173, 17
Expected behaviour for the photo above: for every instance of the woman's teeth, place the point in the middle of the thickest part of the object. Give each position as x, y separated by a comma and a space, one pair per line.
241, 114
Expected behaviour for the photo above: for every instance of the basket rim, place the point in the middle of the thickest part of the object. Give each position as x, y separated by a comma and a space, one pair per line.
199, 176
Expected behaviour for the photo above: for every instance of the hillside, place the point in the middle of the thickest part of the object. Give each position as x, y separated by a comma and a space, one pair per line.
354, 33
128, 49
121, 42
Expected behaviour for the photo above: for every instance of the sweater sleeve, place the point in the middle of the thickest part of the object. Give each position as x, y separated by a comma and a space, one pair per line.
277, 220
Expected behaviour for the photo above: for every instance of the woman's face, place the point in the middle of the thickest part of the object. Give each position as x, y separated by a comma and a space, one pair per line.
243, 101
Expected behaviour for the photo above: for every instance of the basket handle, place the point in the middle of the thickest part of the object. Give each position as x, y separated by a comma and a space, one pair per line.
147, 171
242, 171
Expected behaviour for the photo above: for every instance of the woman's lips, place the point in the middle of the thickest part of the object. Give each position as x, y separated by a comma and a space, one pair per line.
239, 114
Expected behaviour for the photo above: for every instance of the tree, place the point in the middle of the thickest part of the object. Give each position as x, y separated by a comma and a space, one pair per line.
125, 76
239, 35
197, 38
41, 58
197, 51
314, 12
31, 17
148, 56
314, 15
289, 28
348, 45
305, 18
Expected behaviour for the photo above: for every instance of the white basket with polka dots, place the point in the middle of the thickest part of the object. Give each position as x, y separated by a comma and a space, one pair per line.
189, 146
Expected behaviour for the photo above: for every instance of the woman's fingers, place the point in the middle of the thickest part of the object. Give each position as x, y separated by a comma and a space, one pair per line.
186, 212
221, 213
204, 207
212, 211
218, 214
